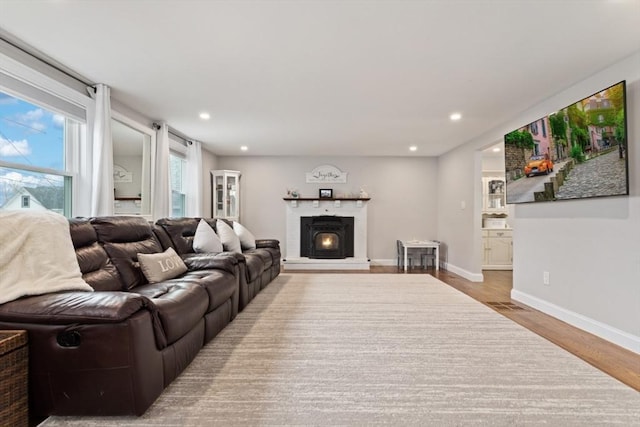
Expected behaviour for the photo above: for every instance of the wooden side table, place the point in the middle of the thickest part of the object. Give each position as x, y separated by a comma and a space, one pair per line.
14, 366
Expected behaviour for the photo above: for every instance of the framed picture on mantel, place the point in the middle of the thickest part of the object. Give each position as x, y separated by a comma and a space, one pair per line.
326, 193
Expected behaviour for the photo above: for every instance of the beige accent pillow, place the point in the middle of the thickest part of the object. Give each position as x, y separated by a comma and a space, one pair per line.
247, 240
229, 238
163, 266
205, 240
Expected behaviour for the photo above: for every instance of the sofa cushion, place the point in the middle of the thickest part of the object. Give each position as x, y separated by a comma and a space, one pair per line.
275, 254
180, 232
255, 266
205, 240
219, 285
96, 267
263, 254
247, 240
180, 305
163, 266
124, 238
229, 238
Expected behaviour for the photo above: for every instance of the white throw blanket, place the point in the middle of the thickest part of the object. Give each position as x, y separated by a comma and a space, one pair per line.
36, 255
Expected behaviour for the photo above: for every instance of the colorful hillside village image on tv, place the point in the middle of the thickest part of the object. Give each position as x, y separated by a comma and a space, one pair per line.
577, 152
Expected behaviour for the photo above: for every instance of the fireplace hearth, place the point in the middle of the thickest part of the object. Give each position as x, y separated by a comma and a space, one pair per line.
326, 237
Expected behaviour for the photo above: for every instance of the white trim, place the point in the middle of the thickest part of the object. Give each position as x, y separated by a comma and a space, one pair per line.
609, 333
36, 169
384, 262
472, 277
11, 60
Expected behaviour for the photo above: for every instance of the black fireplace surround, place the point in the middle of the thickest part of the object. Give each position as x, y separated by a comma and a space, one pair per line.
326, 237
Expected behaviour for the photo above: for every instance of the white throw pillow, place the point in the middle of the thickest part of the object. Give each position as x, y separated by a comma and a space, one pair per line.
229, 239
161, 266
206, 240
247, 241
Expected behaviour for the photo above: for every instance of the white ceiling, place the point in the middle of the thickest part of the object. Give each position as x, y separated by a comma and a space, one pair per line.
330, 77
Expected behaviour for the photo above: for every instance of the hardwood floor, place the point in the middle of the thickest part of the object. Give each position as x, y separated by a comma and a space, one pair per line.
495, 292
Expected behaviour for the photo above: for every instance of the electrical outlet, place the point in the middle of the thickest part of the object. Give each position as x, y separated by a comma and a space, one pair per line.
545, 278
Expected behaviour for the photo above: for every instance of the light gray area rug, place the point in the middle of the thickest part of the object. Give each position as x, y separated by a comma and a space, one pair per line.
364, 349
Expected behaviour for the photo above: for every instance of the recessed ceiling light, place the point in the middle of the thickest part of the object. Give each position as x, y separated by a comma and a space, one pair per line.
205, 116
496, 149
413, 148
244, 148
455, 116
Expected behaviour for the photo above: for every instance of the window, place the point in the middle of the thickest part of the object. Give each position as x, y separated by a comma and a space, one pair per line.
35, 145
177, 167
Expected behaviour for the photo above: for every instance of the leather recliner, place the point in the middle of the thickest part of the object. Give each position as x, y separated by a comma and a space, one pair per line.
113, 351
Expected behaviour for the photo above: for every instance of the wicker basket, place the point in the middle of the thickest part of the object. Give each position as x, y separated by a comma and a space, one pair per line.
14, 403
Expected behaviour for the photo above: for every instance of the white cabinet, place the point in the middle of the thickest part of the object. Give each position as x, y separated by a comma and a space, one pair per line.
498, 249
225, 185
494, 199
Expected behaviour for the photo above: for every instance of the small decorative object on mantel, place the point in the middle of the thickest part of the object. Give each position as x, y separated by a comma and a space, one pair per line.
363, 194
293, 193
326, 174
326, 193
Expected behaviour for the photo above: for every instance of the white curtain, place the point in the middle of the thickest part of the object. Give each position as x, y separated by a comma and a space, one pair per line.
102, 154
161, 186
193, 179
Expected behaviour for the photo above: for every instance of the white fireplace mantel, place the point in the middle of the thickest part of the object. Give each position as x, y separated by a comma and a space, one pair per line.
297, 208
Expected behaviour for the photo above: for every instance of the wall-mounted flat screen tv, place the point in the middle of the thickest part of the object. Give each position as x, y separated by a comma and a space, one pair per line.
577, 152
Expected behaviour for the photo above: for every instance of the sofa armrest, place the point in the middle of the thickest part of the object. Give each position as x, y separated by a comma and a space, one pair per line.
74, 307
207, 261
268, 243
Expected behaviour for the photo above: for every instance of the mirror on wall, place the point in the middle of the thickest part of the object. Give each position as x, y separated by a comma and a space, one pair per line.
132, 155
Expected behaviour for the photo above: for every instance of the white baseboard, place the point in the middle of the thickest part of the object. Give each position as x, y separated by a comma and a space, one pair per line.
472, 277
384, 262
602, 330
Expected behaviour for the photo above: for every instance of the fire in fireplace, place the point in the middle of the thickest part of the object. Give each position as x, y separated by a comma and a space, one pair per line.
326, 237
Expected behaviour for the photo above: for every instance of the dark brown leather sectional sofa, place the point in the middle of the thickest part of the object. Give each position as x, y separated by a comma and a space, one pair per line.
113, 351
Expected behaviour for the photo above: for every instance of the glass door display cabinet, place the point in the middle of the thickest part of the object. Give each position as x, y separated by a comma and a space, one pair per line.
494, 195
226, 194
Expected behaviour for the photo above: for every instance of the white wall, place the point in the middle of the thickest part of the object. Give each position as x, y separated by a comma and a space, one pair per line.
402, 189
591, 248
460, 210
209, 163
492, 162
